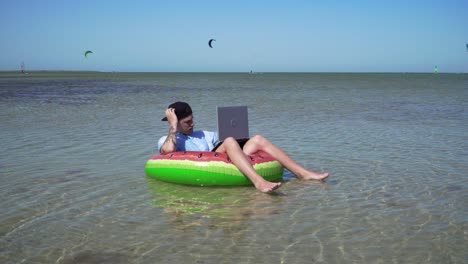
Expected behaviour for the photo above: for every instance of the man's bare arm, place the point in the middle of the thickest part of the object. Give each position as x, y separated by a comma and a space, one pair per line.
170, 144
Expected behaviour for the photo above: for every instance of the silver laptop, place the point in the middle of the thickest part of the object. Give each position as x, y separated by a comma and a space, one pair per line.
233, 121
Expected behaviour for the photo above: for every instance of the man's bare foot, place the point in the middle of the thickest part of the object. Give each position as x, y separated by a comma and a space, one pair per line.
314, 176
268, 187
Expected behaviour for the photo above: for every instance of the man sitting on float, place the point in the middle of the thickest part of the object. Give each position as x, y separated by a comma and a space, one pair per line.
182, 137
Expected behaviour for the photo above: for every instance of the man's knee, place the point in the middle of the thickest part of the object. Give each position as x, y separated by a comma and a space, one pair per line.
230, 141
258, 140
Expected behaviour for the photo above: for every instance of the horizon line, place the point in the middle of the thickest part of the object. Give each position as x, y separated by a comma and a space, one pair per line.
248, 72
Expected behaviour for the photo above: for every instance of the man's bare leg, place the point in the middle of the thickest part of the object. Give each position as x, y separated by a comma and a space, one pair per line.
242, 162
258, 142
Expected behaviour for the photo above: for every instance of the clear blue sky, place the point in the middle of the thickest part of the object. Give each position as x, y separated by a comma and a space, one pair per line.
263, 36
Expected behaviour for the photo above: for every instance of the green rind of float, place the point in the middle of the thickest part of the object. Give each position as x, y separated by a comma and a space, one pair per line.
208, 173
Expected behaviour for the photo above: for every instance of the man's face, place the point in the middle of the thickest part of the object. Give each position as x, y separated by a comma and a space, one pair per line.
186, 125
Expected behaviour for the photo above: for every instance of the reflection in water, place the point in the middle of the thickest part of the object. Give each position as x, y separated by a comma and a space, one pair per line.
97, 257
212, 206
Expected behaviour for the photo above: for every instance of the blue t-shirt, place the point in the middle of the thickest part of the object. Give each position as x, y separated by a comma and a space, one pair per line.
199, 140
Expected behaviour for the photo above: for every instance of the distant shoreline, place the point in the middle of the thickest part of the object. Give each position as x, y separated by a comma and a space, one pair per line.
233, 72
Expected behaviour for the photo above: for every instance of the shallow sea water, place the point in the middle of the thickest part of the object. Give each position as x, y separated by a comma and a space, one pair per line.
74, 146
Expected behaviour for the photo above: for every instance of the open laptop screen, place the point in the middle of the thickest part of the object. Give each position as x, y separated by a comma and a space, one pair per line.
233, 122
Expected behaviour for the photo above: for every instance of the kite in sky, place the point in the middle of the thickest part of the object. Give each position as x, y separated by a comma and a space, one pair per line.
87, 52
209, 42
